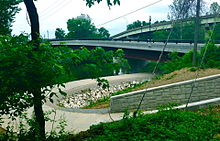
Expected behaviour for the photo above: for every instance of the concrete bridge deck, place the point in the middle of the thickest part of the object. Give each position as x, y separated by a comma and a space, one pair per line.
211, 19
132, 45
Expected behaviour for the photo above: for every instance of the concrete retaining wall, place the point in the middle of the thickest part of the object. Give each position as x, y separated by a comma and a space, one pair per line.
205, 88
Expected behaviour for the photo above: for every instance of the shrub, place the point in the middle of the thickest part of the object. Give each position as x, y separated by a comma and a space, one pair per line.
164, 125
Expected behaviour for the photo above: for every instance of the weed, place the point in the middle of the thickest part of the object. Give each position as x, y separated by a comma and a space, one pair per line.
164, 125
27, 129
193, 69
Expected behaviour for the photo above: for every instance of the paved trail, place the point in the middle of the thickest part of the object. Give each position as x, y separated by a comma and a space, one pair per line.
77, 121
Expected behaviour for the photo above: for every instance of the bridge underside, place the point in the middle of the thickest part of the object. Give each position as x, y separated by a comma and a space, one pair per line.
134, 53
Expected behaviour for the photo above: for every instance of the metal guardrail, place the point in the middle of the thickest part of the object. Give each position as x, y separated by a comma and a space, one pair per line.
137, 40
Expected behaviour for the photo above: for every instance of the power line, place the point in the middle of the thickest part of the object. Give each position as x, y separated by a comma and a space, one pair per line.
130, 12
56, 9
201, 63
159, 59
52, 6
52, 12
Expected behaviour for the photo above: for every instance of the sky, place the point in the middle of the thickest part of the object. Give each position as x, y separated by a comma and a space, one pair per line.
55, 13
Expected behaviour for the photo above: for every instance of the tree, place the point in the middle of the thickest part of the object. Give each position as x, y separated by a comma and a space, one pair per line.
38, 61
216, 32
215, 8
8, 9
59, 33
183, 31
157, 22
181, 9
137, 24
103, 33
161, 34
97, 63
36, 73
82, 27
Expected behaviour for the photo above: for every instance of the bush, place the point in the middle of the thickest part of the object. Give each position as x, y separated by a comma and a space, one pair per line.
164, 125
211, 59
27, 129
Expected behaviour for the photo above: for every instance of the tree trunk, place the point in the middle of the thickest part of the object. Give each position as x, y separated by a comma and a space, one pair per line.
33, 15
35, 33
39, 114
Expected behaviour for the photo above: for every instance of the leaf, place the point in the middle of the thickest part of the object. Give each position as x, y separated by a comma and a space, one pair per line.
116, 2
53, 94
51, 100
62, 92
63, 85
62, 43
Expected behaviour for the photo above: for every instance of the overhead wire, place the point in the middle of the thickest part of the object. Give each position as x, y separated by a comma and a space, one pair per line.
55, 10
201, 63
130, 13
122, 17
52, 6
159, 59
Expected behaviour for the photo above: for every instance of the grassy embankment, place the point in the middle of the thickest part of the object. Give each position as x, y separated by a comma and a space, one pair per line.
176, 76
169, 125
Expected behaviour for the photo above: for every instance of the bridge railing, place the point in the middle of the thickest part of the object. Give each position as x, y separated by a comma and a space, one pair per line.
137, 40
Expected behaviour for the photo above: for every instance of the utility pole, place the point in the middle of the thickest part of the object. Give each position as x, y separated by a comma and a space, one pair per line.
48, 34
150, 36
196, 35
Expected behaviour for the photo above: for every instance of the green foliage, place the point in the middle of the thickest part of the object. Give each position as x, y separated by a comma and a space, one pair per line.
23, 70
214, 8
168, 106
109, 2
82, 27
98, 62
103, 83
161, 34
211, 59
27, 129
193, 69
8, 9
98, 102
157, 22
150, 67
59, 33
103, 33
176, 62
216, 33
137, 24
164, 125
181, 30
129, 89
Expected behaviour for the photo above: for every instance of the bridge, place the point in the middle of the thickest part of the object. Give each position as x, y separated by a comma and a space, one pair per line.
143, 50
205, 20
